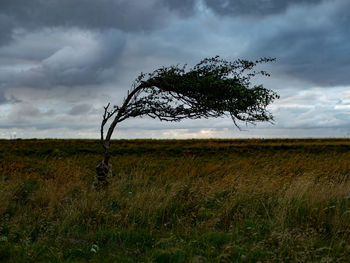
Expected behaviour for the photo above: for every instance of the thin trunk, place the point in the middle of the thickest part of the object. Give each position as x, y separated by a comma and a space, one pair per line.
103, 170
107, 155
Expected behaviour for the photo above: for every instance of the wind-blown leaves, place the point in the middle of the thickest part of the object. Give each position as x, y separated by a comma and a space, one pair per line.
212, 88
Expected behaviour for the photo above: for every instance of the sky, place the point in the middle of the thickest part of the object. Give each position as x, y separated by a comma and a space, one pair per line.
61, 61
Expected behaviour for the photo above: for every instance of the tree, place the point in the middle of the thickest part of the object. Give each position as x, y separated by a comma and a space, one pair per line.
212, 88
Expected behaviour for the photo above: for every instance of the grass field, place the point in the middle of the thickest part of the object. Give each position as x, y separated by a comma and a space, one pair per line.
176, 201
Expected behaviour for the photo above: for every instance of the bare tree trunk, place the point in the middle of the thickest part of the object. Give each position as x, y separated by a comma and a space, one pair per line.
103, 170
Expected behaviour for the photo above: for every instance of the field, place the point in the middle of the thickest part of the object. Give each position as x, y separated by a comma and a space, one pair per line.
176, 201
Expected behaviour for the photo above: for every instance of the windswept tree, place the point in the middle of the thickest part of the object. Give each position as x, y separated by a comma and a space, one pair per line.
212, 88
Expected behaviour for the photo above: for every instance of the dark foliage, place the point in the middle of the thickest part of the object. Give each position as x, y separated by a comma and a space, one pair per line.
212, 88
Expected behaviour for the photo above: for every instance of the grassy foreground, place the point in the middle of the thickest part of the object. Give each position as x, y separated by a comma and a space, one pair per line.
176, 201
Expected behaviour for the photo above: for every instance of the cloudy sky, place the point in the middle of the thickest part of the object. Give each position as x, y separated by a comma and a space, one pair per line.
61, 61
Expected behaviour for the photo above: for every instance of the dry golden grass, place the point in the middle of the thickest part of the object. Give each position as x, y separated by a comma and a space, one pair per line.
176, 201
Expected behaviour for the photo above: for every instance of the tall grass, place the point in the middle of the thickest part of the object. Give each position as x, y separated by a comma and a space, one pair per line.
176, 201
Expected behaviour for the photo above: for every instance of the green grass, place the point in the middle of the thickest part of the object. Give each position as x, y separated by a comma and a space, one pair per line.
176, 201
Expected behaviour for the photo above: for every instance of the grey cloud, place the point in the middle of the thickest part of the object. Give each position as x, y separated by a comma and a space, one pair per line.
313, 46
5, 29
26, 115
183, 7
85, 64
305, 110
3, 99
7, 99
254, 7
319, 108
317, 117
53, 62
34, 46
80, 109
125, 15
22, 112
47, 125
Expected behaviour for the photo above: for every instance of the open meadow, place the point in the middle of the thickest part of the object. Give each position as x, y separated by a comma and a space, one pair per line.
176, 201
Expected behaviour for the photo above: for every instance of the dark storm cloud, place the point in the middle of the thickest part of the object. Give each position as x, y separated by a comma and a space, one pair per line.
62, 60
314, 46
92, 62
125, 15
6, 26
254, 7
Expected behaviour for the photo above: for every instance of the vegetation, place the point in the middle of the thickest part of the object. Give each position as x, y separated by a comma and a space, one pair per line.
212, 88
176, 201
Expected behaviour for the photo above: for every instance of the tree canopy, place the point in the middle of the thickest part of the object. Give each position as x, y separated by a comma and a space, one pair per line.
212, 88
